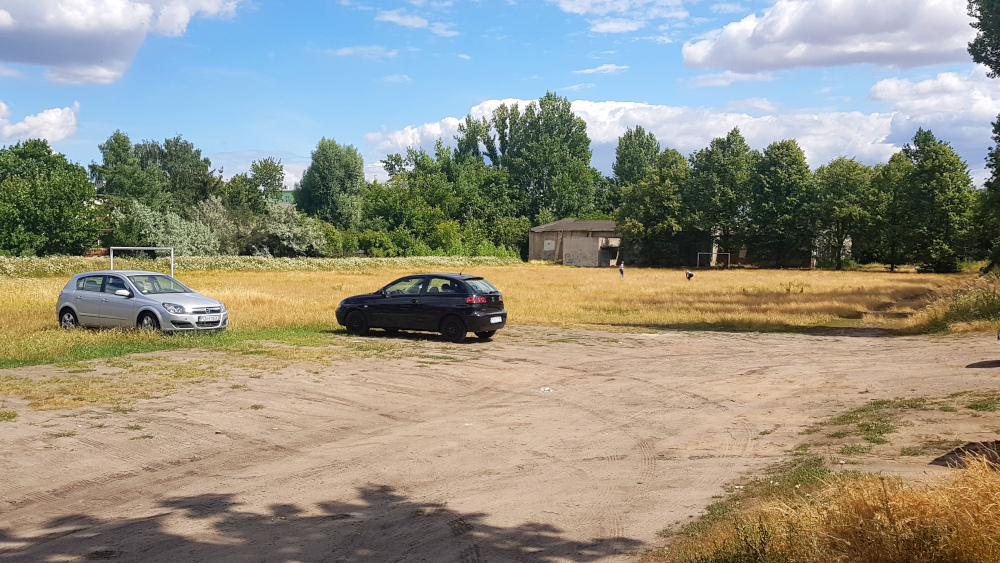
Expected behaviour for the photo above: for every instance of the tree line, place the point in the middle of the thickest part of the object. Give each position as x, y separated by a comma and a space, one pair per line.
518, 167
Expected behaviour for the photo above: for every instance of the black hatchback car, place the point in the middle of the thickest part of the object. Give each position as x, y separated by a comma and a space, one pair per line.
452, 304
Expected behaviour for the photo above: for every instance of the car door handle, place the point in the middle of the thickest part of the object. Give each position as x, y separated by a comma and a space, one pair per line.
413, 300
105, 300
79, 297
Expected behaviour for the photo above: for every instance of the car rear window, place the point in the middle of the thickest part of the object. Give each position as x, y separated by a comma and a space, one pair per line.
480, 285
89, 283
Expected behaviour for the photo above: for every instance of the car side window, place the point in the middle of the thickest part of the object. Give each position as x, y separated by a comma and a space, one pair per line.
89, 283
441, 285
113, 284
405, 286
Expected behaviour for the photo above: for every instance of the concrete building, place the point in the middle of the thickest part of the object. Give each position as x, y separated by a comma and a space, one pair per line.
575, 243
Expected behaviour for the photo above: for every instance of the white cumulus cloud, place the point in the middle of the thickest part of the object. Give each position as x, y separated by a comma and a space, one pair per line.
801, 33
82, 41
53, 125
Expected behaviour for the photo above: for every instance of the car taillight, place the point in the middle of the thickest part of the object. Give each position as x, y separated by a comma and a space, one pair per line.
475, 299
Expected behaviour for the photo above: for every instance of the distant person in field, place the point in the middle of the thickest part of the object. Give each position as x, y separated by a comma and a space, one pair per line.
688, 274
621, 268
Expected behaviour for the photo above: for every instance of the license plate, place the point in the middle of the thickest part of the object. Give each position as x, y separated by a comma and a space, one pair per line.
495, 320
208, 318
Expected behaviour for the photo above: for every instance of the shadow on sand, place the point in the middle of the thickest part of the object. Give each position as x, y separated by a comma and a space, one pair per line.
381, 526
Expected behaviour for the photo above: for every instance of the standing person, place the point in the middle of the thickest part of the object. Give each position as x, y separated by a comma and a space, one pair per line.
621, 268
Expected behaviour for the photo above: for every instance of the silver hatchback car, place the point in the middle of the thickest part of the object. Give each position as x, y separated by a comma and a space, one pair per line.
137, 299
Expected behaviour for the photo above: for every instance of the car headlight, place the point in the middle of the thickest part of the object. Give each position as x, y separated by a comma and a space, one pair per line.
223, 305
175, 309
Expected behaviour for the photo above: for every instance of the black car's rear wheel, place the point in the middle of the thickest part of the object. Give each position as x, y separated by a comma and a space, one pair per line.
357, 323
486, 334
453, 329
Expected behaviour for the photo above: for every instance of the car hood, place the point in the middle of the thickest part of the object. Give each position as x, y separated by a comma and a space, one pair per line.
189, 300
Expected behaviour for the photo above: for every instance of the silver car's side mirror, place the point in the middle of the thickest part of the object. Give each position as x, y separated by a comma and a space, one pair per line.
123, 293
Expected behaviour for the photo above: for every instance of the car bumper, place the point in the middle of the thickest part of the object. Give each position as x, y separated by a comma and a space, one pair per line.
482, 321
192, 323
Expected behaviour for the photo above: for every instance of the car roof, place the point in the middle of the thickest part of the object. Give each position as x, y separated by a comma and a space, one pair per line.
453, 276
121, 272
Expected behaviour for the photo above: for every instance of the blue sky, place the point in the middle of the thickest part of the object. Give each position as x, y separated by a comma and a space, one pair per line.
246, 79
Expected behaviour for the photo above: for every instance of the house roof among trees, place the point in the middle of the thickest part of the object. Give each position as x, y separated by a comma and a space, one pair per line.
575, 225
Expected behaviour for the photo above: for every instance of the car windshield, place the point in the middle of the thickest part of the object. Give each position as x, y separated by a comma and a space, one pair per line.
152, 284
481, 286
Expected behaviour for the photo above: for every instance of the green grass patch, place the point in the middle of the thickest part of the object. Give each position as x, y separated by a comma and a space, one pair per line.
873, 421
856, 449
68, 347
8, 416
911, 451
256, 407
986, 404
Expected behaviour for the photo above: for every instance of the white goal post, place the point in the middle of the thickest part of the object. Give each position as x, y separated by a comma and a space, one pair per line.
713, 259
170, 248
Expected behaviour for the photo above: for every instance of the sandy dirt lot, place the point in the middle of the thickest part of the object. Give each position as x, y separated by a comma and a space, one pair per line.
542, 445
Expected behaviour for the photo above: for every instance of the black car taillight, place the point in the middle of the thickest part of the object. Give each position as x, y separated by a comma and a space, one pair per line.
475, 299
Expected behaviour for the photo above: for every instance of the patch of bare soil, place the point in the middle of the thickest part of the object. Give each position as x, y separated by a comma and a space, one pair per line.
542, 445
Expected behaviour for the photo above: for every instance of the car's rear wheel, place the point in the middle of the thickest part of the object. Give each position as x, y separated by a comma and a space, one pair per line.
453, 329
357, 324
147, 321
67, 319
486, 334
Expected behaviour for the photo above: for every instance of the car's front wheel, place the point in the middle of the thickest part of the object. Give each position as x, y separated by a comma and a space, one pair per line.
453, 329
357, 324
67, 319
148, 322
486, 334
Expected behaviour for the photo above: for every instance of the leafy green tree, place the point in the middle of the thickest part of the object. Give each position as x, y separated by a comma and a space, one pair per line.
634, 155
989, 210
252, 190
718, 194
122, 175
190, 177
534, 146
284, 232
941, 203
846, 203
331, 186
887, 238
136, 224
651, 213
782, 205
985, 48
47, 204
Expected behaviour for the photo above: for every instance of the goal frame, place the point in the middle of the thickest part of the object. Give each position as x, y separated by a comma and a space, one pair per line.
112, 249
714, 258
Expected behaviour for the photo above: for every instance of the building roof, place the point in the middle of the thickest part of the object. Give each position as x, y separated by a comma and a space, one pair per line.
575, 225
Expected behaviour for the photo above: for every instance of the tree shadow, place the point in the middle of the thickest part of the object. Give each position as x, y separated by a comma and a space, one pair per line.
381, 526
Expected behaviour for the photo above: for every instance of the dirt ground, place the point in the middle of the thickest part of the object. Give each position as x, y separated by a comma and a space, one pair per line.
542, 445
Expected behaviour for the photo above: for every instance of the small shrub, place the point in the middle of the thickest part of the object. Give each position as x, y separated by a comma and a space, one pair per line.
8, 416
256, 407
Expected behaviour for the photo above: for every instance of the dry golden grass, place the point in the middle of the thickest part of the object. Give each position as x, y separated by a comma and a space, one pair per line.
860, 519
535, 294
